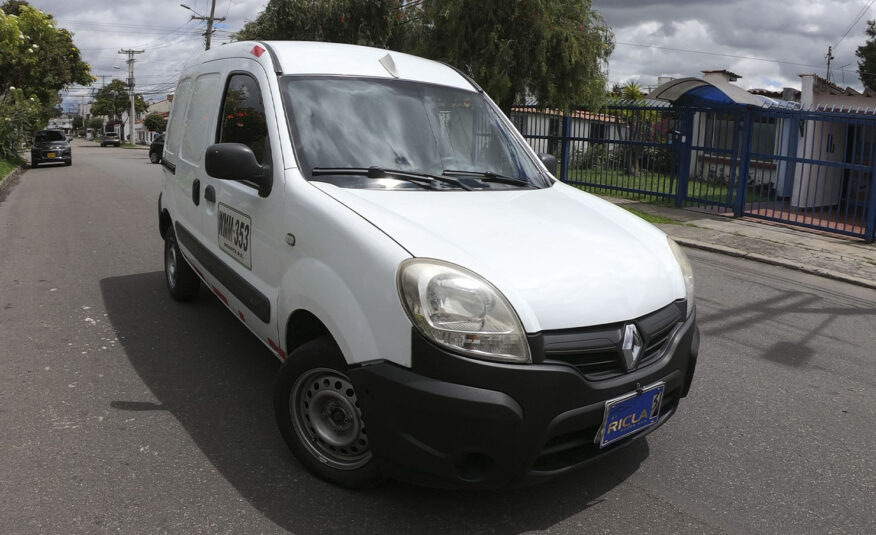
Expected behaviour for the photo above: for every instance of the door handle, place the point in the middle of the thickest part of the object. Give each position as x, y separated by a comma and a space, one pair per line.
210, 194
196, 192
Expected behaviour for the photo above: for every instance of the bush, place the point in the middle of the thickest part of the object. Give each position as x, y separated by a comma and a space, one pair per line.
657, 159
598, 156
18, 120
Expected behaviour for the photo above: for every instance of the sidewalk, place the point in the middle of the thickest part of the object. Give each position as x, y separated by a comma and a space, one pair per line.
844, 259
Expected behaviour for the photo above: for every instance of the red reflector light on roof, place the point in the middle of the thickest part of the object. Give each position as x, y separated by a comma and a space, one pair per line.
257, 51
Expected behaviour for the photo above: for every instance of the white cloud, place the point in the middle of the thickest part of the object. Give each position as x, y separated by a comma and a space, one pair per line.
161, 28
730, 34
692, 35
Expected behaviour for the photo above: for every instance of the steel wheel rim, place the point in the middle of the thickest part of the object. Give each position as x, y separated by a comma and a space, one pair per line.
327, 419
170, 262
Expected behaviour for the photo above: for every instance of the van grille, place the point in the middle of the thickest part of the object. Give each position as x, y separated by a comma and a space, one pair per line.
596, 351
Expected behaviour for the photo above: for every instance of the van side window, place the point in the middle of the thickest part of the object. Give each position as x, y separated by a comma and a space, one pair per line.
176, 116
198, 118
243, 116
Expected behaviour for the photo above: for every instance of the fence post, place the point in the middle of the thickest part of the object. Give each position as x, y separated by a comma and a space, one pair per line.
870, 229
567, 133
745, 165
685, 142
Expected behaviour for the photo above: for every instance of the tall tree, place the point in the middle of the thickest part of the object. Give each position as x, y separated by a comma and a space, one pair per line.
867, 55
555, 50
35, 56
362, 22
113, 100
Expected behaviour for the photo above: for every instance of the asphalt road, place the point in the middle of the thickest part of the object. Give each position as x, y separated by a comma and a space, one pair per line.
123, 411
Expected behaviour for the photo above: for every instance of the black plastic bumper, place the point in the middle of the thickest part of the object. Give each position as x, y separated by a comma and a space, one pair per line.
451, 421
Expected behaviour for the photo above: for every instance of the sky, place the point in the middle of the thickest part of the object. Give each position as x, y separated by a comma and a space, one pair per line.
768, 43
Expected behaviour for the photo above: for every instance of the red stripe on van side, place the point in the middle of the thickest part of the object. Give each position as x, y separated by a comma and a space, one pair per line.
221, 295
276, 348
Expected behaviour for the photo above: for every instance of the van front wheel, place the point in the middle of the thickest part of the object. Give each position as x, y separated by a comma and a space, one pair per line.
318, 414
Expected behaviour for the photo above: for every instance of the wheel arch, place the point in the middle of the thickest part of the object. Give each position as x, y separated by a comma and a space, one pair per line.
164, 220
302, 326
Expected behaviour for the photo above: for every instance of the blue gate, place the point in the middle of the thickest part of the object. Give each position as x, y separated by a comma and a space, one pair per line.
806, 168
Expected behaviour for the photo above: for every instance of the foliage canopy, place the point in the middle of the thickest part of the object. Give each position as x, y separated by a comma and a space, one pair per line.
554, 50
155, 122
35, 56
114, 99
867, 55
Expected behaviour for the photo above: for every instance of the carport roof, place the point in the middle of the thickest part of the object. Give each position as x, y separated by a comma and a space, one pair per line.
698, 92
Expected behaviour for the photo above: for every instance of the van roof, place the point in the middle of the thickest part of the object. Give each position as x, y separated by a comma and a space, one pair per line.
319, 58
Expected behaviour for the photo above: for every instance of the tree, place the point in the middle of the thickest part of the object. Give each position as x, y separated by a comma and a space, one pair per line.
867, 55
114, 99
155, 122
95, 123
35, 56
555, 50
362, 22
632, 91
78, 122
36, 61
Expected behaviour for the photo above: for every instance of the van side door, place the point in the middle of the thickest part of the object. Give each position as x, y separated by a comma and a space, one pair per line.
244, 229
192, 124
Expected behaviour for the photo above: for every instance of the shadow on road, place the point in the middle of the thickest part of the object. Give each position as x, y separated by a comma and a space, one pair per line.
216, 379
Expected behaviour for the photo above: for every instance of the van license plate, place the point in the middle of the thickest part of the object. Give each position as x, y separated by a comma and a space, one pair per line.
235, 234
631, 413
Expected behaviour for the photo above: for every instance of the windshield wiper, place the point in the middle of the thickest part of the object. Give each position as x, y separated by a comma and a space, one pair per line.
489, 176
421, 179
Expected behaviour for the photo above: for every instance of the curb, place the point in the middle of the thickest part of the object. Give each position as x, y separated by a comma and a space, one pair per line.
10, 181
826, 273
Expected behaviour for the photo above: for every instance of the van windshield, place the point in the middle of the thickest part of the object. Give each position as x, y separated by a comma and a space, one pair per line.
408, 131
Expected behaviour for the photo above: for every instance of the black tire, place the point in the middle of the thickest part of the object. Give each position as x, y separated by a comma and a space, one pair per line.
154, 157
318, 414
182, 281
33, 165
68, 162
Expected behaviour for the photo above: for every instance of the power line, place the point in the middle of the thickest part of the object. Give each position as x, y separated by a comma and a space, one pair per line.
735, 56
861, 14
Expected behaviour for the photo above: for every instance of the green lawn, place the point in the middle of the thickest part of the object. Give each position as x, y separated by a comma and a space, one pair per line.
6, 167
652, 218
658, 188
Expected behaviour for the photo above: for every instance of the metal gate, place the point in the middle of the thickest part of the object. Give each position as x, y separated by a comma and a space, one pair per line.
807, 168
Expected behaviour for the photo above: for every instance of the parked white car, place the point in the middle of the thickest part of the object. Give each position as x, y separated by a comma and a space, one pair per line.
447, 312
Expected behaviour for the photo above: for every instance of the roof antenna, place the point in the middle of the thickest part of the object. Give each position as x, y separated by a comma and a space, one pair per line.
389, 65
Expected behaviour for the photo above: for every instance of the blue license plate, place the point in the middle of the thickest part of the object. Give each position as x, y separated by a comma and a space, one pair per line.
631, 413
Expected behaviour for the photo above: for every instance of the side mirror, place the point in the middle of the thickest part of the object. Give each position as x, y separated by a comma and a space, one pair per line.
236, 161
549, 161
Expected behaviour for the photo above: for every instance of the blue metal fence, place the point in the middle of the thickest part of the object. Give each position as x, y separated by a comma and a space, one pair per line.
811, 168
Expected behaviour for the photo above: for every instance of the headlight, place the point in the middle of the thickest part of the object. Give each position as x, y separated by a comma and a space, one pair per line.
460, 310
686, 272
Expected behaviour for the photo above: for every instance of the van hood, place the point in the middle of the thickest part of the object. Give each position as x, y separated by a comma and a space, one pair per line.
562, 257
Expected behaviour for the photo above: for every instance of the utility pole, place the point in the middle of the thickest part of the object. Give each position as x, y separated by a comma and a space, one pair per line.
131, 116
829, 57
209, 20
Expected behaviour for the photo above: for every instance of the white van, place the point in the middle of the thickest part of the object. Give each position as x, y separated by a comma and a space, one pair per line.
446, 311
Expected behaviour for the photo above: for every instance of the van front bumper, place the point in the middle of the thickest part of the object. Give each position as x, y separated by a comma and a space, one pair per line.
455, 422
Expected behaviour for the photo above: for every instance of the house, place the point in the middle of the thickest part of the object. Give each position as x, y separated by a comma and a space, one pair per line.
63, 122
544, 128
804, 145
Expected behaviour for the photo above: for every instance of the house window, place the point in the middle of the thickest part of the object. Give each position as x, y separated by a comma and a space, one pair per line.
518, 119
598, 131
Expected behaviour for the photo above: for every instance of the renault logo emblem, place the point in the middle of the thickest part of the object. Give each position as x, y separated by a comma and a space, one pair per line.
632, 346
